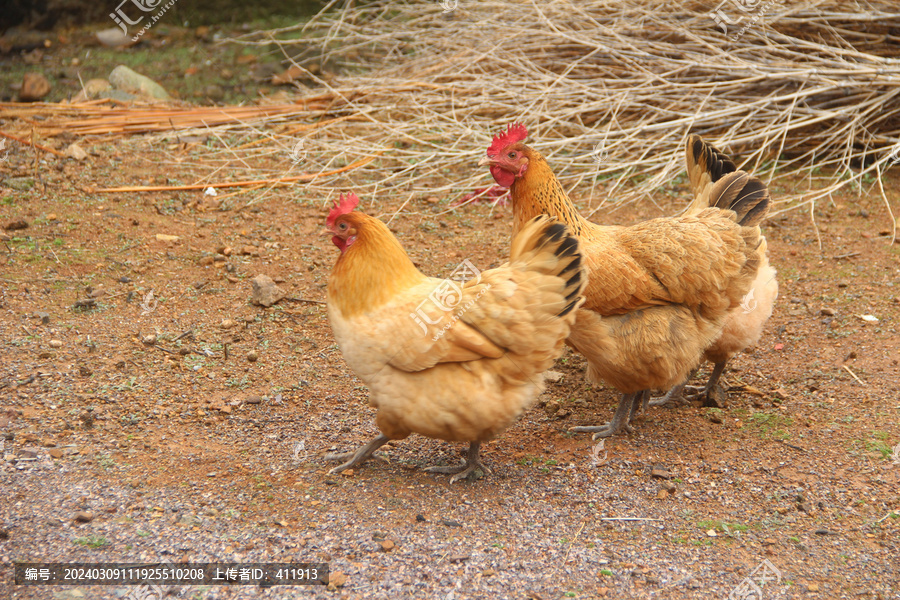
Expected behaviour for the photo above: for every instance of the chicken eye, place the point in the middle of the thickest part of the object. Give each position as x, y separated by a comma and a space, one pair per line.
342, 226
511, 155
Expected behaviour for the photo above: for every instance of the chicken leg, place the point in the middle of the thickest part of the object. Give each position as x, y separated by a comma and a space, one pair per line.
472, 462
628, 406
676, 396
359, 456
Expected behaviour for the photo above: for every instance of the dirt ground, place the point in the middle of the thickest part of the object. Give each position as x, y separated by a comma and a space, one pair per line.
146, 412
150, 413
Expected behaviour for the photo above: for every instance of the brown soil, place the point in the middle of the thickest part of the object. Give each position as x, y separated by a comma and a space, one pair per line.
185, 450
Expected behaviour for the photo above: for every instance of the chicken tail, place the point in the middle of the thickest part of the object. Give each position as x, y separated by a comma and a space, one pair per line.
547, 246
705, 164
716, 182
744, 194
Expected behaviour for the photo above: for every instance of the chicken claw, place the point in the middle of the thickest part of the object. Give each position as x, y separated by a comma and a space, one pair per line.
628, 405
357, 457
472, 462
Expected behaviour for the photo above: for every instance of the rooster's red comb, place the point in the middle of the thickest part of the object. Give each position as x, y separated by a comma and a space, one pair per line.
516, 132
342, 207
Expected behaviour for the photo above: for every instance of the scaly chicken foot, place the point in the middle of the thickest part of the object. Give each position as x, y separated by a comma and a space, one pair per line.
628, 406
472, 462
708, 394
357, 457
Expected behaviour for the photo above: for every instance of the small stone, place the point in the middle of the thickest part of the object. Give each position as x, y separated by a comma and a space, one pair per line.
55, 344
28, 453
150, 340
715, 417
387, 545
227, 323
75, 151
338, 579
432, 199
711, 533
16, 224
488, 573
252, 356
164, 237
553, 376
44, 317
55, 452
662, 494
206, 261
421, 518
225, 250
265, 292
449, 523
660, 473
827, 312
458, 558
45, 354
126, 80
34, 87
805, 507
812, 587
4, 534
92, 89
84, 516
113, 37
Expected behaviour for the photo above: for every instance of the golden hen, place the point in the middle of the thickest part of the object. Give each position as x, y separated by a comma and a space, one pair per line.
744, 324
658, 292
448, 361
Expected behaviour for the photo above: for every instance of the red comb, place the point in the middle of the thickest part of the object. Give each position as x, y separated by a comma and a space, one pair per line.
342, 207
516, 132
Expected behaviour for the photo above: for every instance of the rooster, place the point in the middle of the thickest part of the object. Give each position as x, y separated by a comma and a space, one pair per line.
658, 292
453, 362
743, 327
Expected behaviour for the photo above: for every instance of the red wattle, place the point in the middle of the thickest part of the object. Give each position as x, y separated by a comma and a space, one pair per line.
504, 178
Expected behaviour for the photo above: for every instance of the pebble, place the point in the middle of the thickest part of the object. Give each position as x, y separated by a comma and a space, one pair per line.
252, 356
84, 516
553, 376
75, 151
15, 224
450, 523
337, 579
660, 473
253, 400
458, 558
265, 292
34, 87
421, 518
827, 312
387, 545
55, 344
150, 340
126, 80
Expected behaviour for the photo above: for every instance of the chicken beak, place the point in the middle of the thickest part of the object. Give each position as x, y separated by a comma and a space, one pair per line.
487, 160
